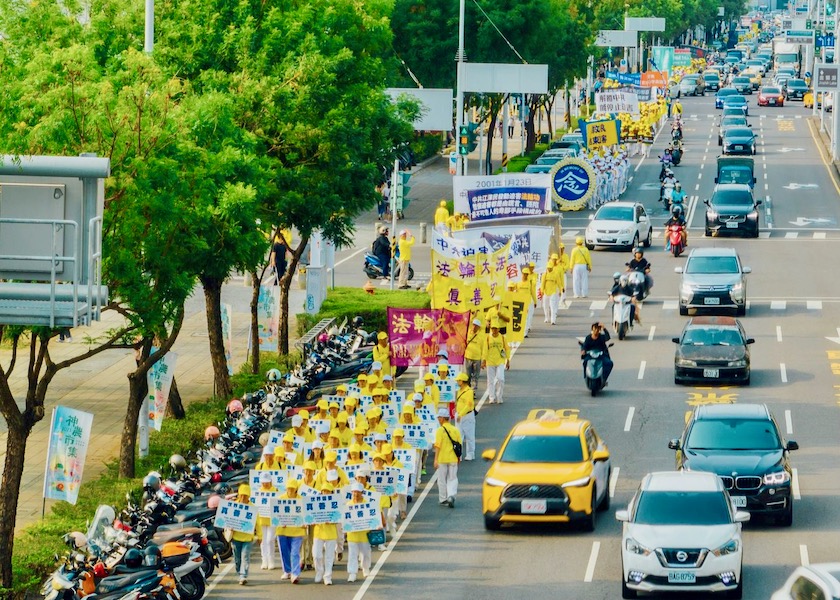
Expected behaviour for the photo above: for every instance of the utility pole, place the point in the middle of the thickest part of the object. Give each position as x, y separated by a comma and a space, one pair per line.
461, 164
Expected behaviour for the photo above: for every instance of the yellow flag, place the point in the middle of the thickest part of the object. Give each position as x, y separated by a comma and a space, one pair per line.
519, 302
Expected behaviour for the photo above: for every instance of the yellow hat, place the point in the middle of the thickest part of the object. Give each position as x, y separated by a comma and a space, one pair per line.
511, 285
244, 490
279, 451
387, 449
334, 405
359, 430
341, 388
443, 202
322, 404
304, 414
327, 487
310, 464
494, 324
294, 483
334, 434
579, 240
374, 412
382, 335
351, 400
289, 437
372, 380
342, 417
331, 456
408, 408
355, 448
443, 367
525, 270
419, 385
399, 432
377, 456
429, 376
562, 246
379, 391
462, 377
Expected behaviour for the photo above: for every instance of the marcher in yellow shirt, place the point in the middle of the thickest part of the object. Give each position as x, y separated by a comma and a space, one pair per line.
550, 288
581, 263
264, 529
446, 461
441, 216
345, 434
474, 351
324, 545
242, 541
359, 434
267, 463
382, 353
404, 245
496, 361
330, 464
431, 392
290, 539
528, 284
465, 411
565, 266
358, 551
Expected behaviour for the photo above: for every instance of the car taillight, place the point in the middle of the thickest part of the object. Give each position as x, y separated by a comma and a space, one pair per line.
781, 97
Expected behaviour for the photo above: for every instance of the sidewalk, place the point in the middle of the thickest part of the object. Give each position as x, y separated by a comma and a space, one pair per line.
100, 386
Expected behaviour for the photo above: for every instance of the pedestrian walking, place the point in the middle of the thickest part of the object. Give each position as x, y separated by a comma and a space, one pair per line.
446, 459
264, 528
563, 265
474, 351
441, 215
242, 541
404, 245
290, 539
323, 545
465, 410
358, 546
550, 288
496, 361
581, 263
382, 352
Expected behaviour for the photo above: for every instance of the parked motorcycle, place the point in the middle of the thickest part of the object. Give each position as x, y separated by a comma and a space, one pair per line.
374, 268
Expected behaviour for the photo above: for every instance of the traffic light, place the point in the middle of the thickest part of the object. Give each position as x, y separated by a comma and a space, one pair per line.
401, 198
464, 140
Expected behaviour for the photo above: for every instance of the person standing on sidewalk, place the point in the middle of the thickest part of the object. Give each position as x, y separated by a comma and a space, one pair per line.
581, 263
496, 361
242, 541
465, 409
446, 461
290, 539
441, 215
404, 247
474, 352
550, 288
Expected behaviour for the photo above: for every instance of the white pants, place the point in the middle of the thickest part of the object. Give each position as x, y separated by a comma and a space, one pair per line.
467, 428
495, 382
563, 292
267, 546
447, 475
324, 553
358, 552
529, 318
550, 305
580, 281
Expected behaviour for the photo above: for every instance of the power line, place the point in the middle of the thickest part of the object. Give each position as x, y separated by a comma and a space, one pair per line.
502, 35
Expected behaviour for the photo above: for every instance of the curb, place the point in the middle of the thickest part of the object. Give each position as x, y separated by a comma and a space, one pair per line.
826, 142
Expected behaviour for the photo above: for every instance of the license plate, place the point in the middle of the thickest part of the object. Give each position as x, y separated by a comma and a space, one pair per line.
711, 300
681, 577
739, 147
533, 507
772, 102
732, 224
739, 501
608, 240
711, 373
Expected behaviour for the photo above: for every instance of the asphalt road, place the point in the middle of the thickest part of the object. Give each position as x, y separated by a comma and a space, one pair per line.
794, 315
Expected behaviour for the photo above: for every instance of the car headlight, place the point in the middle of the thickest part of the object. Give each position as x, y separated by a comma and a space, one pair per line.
737, 363
583, 481
495, 482
685, 362
686, 289
753, 215
729, 547
711, 214
777, 478
635, 547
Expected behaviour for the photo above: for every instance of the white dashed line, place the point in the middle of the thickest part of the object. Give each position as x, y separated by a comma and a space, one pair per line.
819, 235
642, 370
814, 304
593, 558
803, 555
778, 304
794, 484
628, 422
788, 423
598, 305
614, 480
652, 330
669, 305
792, 235
783, 371
778, 333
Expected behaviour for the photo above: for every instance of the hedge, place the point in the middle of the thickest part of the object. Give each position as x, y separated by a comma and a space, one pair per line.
347, 302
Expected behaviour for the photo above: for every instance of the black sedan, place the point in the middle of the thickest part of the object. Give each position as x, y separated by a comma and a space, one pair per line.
743, 84
795, 89
732, 209
738, 140
712, 349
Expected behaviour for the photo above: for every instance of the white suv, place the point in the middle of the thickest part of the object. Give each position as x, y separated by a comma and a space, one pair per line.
681, 532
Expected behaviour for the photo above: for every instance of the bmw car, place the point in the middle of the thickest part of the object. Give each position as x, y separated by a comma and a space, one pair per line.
623, 224
738, 139
723, 93
712, 350
713, 279
732, 209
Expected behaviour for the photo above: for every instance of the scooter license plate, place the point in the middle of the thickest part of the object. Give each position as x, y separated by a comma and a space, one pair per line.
534, 507
711, 373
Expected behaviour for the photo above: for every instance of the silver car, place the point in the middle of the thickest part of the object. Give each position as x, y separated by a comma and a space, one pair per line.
713, 280
619, 224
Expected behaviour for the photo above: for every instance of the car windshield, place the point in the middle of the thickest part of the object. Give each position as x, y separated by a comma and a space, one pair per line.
542, 449
735, 100
615, 213
727, 92
733, 434
711, 265
682, 508
770, 90
796, 83
737, 131
729, 121
740, 197
741, 80
734, 174
712, 336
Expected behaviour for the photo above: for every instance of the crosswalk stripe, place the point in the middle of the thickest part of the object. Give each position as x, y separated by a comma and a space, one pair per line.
764, 234
819, 235
778, 304
814, 304
792, 235
598, 305
571, 234
670, 305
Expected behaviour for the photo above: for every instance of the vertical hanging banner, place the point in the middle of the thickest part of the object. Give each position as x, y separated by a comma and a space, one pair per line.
411, 344
159, 379
466, 275
69, 435
268, 317
519, 301
227, 335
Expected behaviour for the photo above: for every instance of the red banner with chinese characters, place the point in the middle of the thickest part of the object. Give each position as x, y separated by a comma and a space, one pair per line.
418, 334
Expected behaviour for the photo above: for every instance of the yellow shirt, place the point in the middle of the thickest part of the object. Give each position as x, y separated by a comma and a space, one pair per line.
563, 263
265, 521
264, 466
405, 245
464, 401
446, 453
356, 536
552, 282
308, 435
383, 355
580, 256
325, 531
431, 396
290, 531
321, 478
475, 343
528, 287
344, 437
441, 215
241, 536
495, 352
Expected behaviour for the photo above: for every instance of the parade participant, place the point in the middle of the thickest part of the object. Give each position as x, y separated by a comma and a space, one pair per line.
354, 455
380, 396
358, 551
441, 215
550, 288
446, 461
372, 380
375, 423
334, 408
527, 284
581, 264
382, 352
331, 464
465, 411
324, 432
564, 266
388, 383
404, 246
474, 351
399, 443
354, 416
316, 454
242, 541
398, 501
290, 539
324, 544
267, 463
341, 390
359, 434
322, 414
431, 392
290, 455
304, 431
342, 430
496, 361
264, 529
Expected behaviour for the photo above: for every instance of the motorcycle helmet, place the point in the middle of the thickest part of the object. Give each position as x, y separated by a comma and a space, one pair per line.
211, 433
133, 558
151, 556
177, 462
357, 321
75, 539
151, 482
678, 185
274, 375
616, 276
638, 250
99, 570
677, 210
234, 408
624, 279
213, 501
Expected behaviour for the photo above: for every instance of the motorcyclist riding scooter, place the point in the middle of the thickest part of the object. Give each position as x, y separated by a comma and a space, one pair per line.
666, 190
641, 265
595, 355
677, 218
621, 294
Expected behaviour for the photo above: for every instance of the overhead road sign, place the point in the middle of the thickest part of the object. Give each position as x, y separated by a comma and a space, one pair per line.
501, 78
797, 36
435, 107
617, 38
644, 23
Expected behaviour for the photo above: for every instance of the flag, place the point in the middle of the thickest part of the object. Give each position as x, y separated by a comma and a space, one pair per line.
69, 435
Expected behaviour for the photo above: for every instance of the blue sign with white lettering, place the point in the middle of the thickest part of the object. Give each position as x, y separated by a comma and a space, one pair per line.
571, 182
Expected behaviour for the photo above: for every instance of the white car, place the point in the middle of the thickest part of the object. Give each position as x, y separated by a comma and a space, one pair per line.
681, 533
814, 581
619, 224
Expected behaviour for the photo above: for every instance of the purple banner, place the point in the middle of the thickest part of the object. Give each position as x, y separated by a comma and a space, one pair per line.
506, 202
418, 334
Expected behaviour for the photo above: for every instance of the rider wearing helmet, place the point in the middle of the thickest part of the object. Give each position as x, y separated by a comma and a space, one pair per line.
678, 195
381, 249
677, 218
668, 182
621, 287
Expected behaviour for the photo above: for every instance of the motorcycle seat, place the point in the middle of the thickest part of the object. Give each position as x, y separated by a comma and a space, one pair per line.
125, 579
194, 515
177, 526
161, 537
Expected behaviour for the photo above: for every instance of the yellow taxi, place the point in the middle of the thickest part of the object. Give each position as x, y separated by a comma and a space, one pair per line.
552, 468
755, 77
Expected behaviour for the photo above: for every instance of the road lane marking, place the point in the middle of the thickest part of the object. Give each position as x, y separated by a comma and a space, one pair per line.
344, 260
819, 235
788, 422
697, 187
217, 579
783, 370
814, 304
823, 156
628, 422
778, 304
614, 480
778, 333
794, 484
803, 555
593, 558
598, 305
699, 175
669, 305
652, 330
642, 370
792, 235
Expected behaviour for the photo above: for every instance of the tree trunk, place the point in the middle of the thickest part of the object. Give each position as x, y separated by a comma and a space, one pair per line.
254, 330
567, 118
128, 442
213, 301
285, 284
9, 490
175, 406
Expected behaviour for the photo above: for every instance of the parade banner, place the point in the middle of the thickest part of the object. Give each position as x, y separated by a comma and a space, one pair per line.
418, 436
536, 250
657, 79
227, 335
573, 182
417, 335
491, 196
682, 57
466, 276
615, 101
384, 481
520, 300
278, 478
596, 134
401, 482
446, 387
425, 414
341, 454
268, 317
69, 435
322, 508
363, 516
262, 501
236, 516
624, 78
287, 512
662, 58
159, 379
643, 94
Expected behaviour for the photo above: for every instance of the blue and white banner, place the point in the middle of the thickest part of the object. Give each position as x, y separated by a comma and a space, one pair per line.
236, 516
69, 436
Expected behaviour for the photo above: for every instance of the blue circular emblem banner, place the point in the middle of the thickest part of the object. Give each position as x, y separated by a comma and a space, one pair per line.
571, 182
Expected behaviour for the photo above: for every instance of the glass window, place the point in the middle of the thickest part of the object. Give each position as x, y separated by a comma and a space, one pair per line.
735, 197
712, 264
542, 449
615, 213
805, 589
733, 434
682, 508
